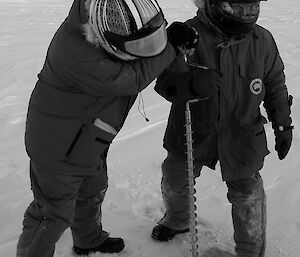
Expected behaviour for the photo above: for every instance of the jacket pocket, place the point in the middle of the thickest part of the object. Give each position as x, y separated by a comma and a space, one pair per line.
88, 145
254, 141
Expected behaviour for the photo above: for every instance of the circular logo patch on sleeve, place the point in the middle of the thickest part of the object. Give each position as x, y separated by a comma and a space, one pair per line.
256, 86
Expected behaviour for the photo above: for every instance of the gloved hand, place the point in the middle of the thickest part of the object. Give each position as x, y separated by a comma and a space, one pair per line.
283, 141
178, 87
182, 35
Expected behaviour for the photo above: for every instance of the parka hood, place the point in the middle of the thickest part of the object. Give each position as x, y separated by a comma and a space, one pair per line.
78, 20
78, 14
201, 14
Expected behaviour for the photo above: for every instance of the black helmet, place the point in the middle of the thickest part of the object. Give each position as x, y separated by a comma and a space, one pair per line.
233, 17
129, 28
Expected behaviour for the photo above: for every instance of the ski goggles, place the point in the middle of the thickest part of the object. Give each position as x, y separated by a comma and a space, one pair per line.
148, 41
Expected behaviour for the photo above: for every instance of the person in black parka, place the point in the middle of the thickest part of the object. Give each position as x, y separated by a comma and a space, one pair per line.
241, 63
96, 64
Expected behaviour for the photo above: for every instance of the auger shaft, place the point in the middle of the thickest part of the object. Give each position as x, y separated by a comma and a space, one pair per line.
191, 180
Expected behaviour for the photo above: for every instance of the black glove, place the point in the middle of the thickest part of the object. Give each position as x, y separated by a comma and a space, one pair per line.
185, 86
283, 140
180, 34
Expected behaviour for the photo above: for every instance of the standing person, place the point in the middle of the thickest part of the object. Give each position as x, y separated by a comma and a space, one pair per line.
240, 60
100, 58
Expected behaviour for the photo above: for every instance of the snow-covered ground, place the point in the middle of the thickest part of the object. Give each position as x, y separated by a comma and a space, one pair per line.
133, 203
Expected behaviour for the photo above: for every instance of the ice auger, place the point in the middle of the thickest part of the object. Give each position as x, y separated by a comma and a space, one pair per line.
190, 163
191, 180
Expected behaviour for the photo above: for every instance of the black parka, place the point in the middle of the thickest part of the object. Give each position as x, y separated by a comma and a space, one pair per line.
228, 126
79, 83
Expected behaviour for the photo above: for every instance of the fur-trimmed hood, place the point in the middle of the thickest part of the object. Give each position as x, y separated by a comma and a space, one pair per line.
78, 14
78, 19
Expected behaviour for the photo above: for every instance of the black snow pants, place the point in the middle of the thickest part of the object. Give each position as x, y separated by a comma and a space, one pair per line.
62, 201
247, 197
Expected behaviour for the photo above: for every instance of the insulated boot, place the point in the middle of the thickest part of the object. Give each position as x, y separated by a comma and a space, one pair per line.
162, 233
110, 245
